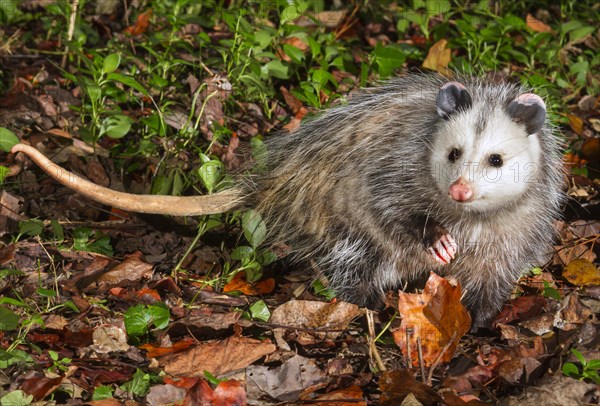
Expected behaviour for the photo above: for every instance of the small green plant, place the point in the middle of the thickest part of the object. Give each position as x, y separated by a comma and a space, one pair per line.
58, 364
139, 384
99, 84
589, 369
139, 318
86, 239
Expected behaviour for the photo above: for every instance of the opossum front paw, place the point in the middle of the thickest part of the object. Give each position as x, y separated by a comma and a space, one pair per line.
443, 249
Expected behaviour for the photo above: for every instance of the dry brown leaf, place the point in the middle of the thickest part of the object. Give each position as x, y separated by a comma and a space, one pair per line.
351, 396
132, 269
576, 124
285, 382
536, 25
591, 146
582, 272
436, 316
572, 314
216, 357
395, 386
308, 314
438, 57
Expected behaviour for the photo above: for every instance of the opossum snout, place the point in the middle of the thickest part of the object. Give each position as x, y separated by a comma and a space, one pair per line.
461, 191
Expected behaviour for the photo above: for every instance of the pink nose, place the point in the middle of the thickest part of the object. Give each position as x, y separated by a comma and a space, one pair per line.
461, 190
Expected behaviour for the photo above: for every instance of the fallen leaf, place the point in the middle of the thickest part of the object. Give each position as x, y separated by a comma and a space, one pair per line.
141, 24
395, 386
521, 308
318, 316
40, 386
165, 395
536, 25
436, 316
154, 351
286, 382
132, 269
581, 272
438, 57
239, 283
576, 124
108, 339
217, 357
227, 393
351, 396
572, 313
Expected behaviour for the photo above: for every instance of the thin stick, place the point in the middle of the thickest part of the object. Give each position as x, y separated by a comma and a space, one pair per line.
371, 339
420, 353
70, 31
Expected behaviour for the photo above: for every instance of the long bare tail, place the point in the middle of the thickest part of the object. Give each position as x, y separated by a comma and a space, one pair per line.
157, 204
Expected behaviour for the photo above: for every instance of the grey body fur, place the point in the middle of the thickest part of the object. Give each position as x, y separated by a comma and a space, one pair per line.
363, 189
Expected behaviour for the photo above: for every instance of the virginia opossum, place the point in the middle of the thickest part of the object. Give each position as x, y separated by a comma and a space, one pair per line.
462, 178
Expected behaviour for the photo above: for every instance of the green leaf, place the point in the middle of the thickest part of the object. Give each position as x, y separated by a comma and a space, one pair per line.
162, 184
277, 69
128, 81
289, 13
13, 357
593, 365
16, 398
260, 311
254, 228
111, 63
211, 173
578, 355
295, 54
116, 126
9, 321
8, 139
136, 320
242, 253
9, 272
581, 32
570, 369
139, 385
387, 59
102, 392
437, 7
31, 227
159, 315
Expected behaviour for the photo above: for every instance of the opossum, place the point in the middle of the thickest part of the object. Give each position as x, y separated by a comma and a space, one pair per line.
422, 174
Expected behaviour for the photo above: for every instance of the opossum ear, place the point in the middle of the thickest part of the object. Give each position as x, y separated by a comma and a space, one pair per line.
530, 110
452, 97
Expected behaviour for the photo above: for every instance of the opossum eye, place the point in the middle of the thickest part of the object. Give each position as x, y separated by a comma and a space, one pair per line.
495, 160
454, 154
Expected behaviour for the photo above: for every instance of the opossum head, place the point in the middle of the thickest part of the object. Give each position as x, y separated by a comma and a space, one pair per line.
486, 152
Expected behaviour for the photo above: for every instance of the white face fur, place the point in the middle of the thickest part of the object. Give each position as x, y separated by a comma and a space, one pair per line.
498, 163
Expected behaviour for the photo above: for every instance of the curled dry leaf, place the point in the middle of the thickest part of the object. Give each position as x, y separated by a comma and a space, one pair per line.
436, 316
397, 385
438, 57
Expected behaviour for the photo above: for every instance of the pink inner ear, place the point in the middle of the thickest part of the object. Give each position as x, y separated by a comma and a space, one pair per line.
459, 85
529, 99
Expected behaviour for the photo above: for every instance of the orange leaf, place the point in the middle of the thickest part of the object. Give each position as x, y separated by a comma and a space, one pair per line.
436, 316
438, 57
141, 25
582, 272
154, 351
151, 292
536, 25
239, 283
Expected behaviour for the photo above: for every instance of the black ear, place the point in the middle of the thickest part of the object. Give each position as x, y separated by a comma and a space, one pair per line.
528, 109
452, 97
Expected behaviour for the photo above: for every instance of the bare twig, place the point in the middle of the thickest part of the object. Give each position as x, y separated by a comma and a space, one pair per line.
439, 357
70, 30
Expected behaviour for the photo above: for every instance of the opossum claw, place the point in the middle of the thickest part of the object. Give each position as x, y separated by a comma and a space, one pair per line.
443, 250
